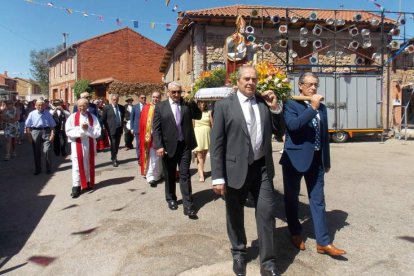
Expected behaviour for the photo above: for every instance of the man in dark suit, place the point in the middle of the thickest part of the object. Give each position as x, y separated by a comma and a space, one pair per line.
241, 162
112, 117
306, 154
174, 139
92, 108
135, 115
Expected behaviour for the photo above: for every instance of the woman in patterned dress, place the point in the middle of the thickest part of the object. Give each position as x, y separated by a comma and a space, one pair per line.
11, 129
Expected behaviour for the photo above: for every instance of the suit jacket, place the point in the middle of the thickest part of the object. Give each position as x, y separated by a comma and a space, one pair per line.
92, 108
135, 115
164, 129
230, 141
300, 135
109, 117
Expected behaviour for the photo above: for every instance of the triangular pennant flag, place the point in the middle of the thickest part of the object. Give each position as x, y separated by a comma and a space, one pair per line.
100, 18
85, 14
69, 11
118, 22
168, 27
175, 8
30, 1
135, 22
152, 25
167, 2
50, 4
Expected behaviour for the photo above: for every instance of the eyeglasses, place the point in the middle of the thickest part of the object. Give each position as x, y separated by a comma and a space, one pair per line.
309, 84
142, 98
175, 91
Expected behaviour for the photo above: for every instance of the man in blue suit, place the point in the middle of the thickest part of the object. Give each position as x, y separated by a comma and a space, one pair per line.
306, 154
134, 119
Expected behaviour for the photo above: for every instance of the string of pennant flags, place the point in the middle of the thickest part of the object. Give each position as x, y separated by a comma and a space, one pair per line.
118, 20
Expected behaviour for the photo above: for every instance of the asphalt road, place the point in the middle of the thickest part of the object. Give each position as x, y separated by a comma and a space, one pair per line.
124, 227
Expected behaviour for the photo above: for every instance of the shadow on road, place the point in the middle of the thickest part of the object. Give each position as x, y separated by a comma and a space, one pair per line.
20, 203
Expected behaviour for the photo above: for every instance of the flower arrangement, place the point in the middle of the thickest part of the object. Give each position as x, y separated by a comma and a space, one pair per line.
270, 77
209, 79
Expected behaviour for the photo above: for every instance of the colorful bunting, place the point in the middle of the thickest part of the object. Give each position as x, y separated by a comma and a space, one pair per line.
119, 21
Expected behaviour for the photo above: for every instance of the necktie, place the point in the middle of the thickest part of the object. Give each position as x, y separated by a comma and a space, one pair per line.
316, 126
118, 117
178, 121
253, 126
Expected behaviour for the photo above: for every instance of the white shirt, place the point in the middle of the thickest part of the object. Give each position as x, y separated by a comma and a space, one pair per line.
245, 105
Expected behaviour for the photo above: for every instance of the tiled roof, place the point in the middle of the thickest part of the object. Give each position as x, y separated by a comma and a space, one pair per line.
228, 14
268, 12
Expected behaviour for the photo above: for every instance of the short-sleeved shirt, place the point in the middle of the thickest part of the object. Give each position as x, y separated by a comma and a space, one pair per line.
41, 119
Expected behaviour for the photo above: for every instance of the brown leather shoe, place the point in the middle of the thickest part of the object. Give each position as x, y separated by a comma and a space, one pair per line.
298, 242
330, 249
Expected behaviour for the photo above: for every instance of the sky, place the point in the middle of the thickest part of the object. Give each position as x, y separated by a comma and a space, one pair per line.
27, 25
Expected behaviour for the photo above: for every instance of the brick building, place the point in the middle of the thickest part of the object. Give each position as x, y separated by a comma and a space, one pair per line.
122, 55
7, 83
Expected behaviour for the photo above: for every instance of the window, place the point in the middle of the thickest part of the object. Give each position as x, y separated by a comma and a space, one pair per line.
61, 69
72, 65
67, 66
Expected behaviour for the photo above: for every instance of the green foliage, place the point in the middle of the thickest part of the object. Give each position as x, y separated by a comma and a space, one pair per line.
40, 67
81, 86
233, 78
209, 79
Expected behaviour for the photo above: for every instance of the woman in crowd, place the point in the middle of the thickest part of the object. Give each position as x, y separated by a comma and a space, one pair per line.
21, 111
11, 129
202, 129
102, 142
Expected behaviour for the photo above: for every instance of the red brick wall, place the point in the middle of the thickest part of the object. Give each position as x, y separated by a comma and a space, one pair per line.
124, 55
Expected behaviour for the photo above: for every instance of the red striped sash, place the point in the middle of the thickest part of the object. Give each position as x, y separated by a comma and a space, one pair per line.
79, 153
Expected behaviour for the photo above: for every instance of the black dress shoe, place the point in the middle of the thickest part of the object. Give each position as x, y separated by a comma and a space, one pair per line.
272, 272
75, 192
172, 204
89, 186
190, 212
115, 163
239, 267
153, 183
36, 172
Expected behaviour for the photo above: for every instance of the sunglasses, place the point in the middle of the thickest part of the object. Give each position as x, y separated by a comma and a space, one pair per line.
175, 91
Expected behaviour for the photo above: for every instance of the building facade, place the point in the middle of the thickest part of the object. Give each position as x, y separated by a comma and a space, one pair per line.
122, 55
343, 42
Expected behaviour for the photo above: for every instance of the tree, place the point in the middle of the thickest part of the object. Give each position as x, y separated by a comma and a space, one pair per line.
81, 86
40, 67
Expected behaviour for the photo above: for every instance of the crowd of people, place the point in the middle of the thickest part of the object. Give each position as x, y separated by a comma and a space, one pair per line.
168, 133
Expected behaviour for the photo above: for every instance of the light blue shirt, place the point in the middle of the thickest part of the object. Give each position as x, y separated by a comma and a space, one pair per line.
40, 119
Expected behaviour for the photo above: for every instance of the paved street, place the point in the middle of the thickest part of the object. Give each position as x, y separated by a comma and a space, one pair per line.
124, 227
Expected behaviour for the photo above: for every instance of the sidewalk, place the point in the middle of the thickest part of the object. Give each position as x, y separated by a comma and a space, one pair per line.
124, 226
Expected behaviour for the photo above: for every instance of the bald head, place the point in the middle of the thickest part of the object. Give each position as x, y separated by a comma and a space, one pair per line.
82, 105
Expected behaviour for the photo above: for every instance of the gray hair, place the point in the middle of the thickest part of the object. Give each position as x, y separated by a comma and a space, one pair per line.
82, 100
174, 83
243, 68
307, 74
115, 95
